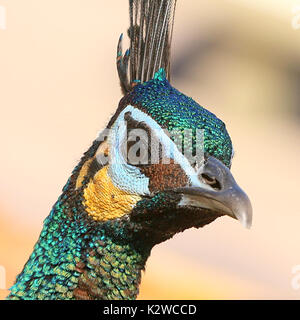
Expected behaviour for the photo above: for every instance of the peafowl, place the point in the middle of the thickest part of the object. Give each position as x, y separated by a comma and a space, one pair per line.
161, 166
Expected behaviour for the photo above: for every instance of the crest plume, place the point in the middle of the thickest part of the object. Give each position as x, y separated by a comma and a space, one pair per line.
150, 34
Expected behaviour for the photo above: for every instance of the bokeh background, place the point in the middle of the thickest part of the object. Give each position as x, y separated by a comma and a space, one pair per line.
238, 58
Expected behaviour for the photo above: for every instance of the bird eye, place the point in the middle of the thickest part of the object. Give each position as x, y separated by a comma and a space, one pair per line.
211, 181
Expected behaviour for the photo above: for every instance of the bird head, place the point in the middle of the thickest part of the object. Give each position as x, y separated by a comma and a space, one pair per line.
162, 166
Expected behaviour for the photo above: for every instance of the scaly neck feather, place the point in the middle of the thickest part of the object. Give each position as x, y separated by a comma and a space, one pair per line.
73, 261
79, 258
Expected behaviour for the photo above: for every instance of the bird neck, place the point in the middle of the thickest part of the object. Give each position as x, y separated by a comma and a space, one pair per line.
76, 257
76, 260
111, 270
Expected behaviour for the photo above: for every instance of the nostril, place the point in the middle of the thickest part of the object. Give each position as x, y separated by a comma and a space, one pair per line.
212, 181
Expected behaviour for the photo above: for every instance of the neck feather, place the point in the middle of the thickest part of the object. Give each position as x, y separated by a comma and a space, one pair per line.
75, 260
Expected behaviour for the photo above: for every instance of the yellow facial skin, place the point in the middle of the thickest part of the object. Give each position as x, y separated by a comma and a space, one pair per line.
104, 150
83, 172
104, 201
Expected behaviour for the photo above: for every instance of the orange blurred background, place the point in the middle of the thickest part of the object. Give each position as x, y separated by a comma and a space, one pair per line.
240, 59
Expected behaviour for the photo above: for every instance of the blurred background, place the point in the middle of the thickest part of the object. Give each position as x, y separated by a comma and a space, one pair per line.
238, 58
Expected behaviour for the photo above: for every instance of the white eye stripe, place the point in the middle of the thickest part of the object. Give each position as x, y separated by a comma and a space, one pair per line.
125, 176
175, 154
232, 155
128, 177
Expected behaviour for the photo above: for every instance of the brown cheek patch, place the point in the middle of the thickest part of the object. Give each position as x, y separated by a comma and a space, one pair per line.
165, 176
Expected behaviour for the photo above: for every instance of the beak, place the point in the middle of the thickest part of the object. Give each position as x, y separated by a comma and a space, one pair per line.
219, 193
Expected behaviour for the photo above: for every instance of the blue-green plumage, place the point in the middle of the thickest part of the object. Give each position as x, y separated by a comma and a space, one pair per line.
175, 111
69, 235
83, 253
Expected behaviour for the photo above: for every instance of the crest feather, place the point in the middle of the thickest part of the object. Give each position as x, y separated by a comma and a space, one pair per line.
150, 34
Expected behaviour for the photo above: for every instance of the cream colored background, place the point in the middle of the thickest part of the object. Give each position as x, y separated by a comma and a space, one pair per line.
238, 58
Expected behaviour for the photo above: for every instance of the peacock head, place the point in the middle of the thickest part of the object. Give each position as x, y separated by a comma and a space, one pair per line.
163, 166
